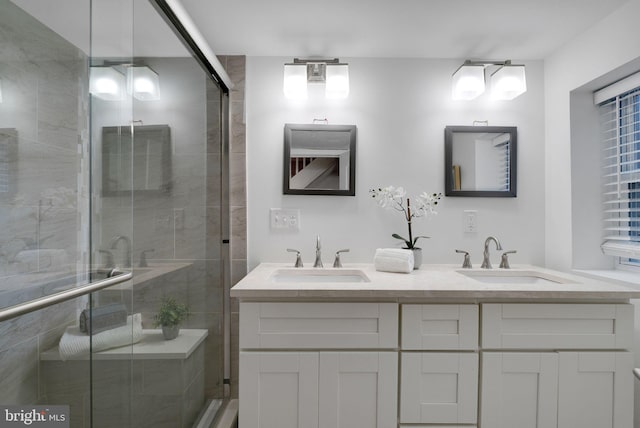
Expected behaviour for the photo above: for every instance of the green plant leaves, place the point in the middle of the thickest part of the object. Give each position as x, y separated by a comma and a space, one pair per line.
171, 312
409, 245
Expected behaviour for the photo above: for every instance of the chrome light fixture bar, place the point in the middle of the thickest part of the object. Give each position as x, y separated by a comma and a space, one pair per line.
507, 82
301, 72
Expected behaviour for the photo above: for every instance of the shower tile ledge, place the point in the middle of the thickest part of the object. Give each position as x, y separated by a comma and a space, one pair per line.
151, 347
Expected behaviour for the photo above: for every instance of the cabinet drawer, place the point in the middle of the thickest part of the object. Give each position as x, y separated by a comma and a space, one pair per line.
557, 326
441, 327
439, 388
318, 325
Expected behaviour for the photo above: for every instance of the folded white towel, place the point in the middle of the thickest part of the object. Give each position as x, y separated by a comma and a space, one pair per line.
74, 342
393, 260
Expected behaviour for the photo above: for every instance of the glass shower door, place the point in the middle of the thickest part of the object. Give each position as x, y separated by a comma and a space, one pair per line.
101, 173
158, 168
44, 208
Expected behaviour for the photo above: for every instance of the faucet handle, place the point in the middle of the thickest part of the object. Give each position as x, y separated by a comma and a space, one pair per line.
143, 257
298, 257
337, 263
504, 260
466, 264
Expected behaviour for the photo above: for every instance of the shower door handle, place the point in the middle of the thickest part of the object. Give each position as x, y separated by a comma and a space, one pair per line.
43, 302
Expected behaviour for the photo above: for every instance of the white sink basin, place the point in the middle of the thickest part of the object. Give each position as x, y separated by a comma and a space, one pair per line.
514, 277
319, 275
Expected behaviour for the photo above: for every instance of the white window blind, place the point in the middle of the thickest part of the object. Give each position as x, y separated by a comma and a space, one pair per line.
502, 146
620, 125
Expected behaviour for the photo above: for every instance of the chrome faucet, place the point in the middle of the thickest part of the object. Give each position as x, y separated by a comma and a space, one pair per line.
126, 258
337, 263
108, 259
299, 263
466, 264
318, 262
486, 261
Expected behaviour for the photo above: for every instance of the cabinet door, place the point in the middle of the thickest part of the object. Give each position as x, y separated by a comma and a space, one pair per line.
595, 390
439, 388
358, 389
441, 327
519, 390
278, 389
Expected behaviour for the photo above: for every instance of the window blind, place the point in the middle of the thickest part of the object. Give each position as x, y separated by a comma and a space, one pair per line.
501, 144
620, 125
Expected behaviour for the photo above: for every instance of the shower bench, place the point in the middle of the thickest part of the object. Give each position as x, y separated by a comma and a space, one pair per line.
153, 383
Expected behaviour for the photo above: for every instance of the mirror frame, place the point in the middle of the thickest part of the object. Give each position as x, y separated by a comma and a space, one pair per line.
448, 161
164, 145
288, 130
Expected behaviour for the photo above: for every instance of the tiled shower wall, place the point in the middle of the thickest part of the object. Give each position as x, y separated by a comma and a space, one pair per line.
181, 225
235, 67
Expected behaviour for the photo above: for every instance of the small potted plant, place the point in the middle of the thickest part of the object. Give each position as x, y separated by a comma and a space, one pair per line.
424, 205
169, 317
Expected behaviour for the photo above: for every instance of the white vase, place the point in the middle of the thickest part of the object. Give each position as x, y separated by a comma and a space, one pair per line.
417, 258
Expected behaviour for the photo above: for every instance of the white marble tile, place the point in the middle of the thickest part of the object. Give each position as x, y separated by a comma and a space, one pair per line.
19, 373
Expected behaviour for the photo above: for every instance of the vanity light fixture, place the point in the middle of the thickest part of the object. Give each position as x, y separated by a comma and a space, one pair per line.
507, 82
143, 83
295, 81
106, 83
331, 72
468, 81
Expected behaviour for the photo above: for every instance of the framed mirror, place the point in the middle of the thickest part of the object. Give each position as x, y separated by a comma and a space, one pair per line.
150, 158
319, 159
480, 161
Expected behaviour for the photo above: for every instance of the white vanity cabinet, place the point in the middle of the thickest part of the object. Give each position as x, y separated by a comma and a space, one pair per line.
576, 371
318, 365
433, 349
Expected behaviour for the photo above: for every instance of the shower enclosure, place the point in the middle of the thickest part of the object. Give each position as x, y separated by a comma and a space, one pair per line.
114, 173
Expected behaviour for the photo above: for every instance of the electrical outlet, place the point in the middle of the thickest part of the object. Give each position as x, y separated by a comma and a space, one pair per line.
470, 221
284, 219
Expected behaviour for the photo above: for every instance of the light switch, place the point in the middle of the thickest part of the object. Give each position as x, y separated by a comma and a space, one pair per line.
284, 219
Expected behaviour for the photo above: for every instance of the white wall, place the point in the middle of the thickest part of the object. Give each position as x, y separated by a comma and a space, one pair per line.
603, 54
599, 54
401, 107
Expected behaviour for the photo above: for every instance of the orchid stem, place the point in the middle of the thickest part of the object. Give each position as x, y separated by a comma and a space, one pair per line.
409, 223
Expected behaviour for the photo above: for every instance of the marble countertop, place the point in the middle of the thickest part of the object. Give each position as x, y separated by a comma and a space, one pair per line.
429, 283
145, 274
